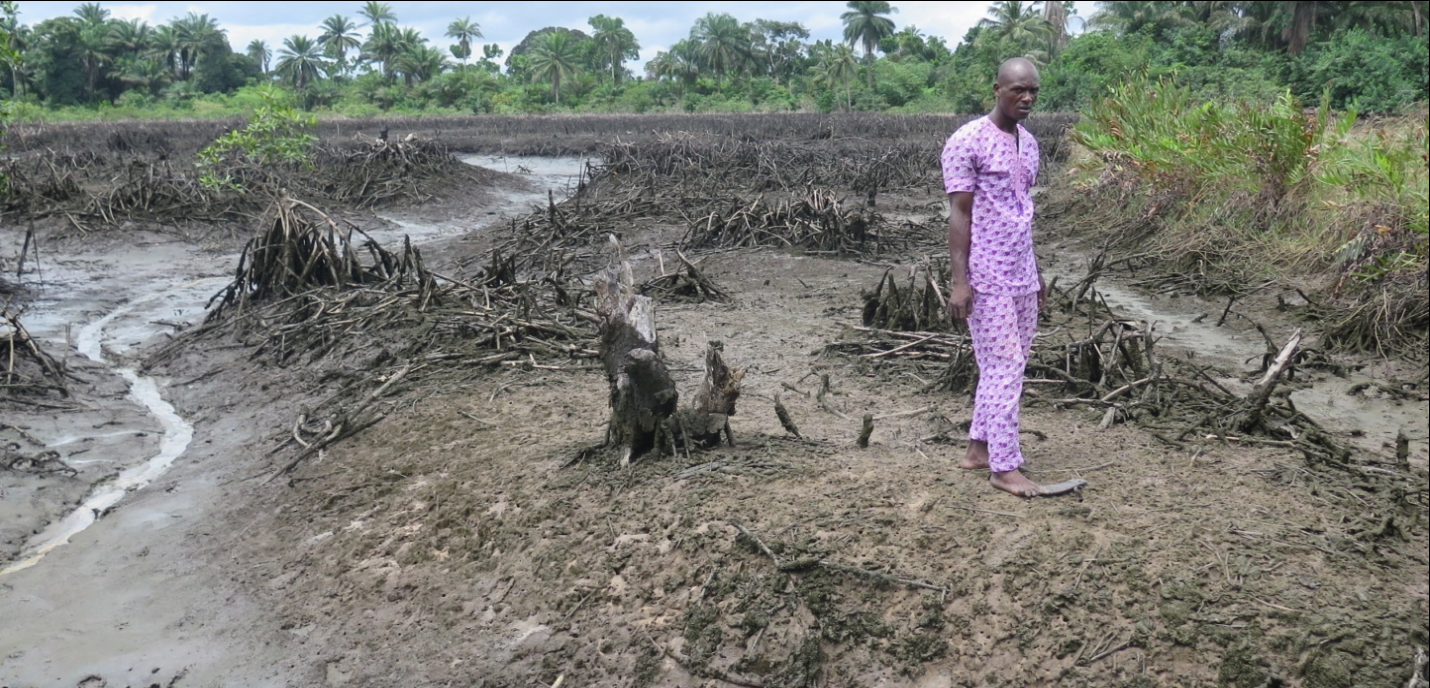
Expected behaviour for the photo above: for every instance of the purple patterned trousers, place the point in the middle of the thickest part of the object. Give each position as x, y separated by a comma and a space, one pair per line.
1001, 328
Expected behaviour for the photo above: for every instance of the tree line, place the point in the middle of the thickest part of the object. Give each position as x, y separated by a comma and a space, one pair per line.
1368, 55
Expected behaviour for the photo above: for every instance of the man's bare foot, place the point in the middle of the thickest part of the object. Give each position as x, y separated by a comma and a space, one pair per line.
977, 457
1014, 483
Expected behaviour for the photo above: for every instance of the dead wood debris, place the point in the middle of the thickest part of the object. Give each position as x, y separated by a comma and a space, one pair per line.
12, 459
815, 219
685, 283
26, 369
1114, 367
90, 188
643, 397
304, 293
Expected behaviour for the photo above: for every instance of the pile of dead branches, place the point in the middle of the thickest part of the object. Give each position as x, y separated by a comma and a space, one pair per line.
299, 249
704, 161
686, 282
378, 172
1090, 358
815, 220
920, 305
304, 289
26, 369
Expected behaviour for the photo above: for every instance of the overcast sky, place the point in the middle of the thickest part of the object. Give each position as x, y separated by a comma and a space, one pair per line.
655, 24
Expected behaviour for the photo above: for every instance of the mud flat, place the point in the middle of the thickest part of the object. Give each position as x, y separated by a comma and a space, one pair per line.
472, 537
100, 574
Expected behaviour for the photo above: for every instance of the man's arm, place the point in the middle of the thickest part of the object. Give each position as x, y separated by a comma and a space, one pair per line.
960, 238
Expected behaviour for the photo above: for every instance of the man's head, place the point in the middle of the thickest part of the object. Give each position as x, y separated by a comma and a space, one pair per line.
1016, 90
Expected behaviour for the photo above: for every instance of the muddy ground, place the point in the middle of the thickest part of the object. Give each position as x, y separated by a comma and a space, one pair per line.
468, 540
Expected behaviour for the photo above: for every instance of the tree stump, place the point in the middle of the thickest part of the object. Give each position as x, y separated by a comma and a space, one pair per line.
715, 402
643, 395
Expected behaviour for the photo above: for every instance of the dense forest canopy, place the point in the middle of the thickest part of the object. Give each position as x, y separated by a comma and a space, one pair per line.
1365, 55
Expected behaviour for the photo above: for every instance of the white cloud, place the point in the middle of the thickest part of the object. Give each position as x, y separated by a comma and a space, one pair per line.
240, 35
144, 13
948, 19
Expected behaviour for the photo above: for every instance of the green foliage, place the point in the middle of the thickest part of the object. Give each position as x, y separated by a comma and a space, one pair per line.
1367, 56
9, 58
276, 134
1180, 143
1383, 176
1358, 70
1247, 189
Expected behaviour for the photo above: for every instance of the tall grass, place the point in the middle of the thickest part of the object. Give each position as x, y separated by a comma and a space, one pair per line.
1242, 194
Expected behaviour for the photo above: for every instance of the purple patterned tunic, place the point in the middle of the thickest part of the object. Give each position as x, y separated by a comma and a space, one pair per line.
986, 160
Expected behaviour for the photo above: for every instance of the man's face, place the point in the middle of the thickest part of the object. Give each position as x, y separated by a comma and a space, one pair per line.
1017, 94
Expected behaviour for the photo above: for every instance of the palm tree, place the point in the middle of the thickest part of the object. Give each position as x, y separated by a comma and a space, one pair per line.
1055, 14
463, 30
93, 48
133, 36
864, 23
1014, 28
339, 36
301, 61
148, 76
681, 63
909, 43
90, 14
554, 57
196, 35
377, 13
839, 66
420, 63
260, 54
616, 43
725, 45
164, 48
384, 44
1133, 16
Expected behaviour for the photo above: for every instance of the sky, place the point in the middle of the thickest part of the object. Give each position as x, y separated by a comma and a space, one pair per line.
656, 25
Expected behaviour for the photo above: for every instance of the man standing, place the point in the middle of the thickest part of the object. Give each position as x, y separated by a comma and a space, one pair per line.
989, 166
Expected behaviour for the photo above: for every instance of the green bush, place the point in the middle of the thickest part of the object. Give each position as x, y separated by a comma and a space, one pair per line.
276, 134
1368, 73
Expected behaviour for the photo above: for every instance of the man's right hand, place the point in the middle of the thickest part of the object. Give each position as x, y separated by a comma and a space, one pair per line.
960, 301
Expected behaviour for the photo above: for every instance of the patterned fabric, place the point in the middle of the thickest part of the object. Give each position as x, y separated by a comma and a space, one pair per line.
1001, 328
999, 170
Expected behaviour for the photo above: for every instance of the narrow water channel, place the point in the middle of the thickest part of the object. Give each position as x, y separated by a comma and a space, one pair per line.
144, 275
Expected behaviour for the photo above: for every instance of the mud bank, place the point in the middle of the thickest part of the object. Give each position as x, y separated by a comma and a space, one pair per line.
463, 541
100, 577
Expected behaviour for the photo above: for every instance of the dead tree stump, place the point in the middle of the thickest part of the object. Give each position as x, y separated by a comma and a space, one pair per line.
715, 402
643, 395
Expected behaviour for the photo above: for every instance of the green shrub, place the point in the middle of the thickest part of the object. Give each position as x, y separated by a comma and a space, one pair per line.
276, 133
1368, 73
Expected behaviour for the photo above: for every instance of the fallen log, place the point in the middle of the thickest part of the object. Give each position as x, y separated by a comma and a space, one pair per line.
1255, 403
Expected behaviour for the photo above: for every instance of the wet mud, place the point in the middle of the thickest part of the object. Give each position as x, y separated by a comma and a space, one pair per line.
467, 539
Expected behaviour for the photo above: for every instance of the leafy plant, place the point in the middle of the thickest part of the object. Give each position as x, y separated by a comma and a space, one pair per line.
276, 134
9, 58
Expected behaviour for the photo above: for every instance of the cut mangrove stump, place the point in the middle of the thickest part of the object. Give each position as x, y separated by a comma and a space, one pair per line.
643, 395
715, 402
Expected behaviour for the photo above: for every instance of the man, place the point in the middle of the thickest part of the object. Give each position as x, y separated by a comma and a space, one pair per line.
989, 166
